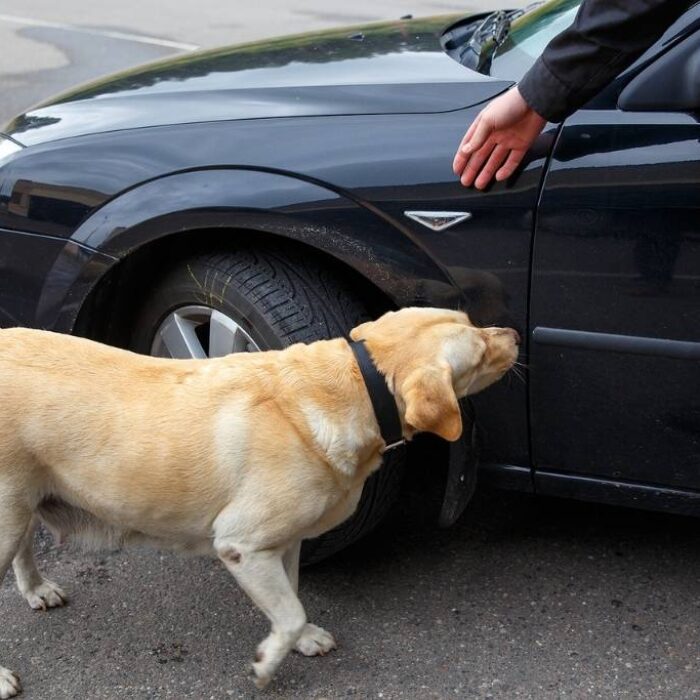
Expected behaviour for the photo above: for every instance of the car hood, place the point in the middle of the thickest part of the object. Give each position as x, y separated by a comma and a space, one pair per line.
395, 67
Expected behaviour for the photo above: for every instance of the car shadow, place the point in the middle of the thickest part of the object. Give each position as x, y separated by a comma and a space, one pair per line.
496, 518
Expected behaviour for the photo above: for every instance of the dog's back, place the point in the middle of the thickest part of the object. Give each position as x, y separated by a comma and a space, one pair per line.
92, 425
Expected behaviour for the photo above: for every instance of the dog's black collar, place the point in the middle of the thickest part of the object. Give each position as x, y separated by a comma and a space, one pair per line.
382, 400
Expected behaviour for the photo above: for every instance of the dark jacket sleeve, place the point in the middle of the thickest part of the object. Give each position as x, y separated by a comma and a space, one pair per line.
605, 37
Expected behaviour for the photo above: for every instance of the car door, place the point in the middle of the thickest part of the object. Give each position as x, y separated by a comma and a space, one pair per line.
615, 295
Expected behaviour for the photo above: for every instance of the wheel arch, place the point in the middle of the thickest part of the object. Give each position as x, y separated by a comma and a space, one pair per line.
111, 305
228, 206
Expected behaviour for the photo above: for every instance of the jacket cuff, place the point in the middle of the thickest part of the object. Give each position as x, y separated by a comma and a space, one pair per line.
545, 93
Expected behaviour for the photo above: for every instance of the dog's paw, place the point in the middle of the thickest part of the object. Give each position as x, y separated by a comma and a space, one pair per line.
259, 676
9, 684
261, 670
46, 595
315, 641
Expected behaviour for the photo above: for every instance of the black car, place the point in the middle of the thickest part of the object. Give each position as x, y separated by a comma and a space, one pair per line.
255, 196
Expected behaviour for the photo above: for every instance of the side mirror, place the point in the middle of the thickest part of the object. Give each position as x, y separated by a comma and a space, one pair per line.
669, 84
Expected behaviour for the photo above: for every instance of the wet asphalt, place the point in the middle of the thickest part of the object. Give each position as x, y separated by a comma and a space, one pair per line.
523, 598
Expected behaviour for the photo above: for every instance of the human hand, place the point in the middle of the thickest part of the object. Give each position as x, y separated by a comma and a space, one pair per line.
497, 140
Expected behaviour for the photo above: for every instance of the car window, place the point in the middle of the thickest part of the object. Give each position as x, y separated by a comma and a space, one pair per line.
528, 36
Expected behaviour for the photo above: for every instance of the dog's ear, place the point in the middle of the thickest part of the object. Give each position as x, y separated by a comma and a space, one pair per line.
360, 332
431, 402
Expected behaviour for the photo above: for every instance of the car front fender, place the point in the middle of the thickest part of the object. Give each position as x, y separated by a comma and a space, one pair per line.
234, 200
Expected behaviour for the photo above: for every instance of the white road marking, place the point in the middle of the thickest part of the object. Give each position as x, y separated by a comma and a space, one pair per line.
125, 36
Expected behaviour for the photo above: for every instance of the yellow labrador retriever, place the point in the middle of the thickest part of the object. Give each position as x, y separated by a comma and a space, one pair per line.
276, 447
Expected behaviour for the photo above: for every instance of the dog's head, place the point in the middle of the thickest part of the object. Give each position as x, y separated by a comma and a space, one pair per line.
433, 357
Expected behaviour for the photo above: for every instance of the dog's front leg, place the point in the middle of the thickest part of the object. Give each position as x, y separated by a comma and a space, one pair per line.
262, 576
314, 640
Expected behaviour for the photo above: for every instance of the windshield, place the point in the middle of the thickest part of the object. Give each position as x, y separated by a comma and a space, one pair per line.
528, 36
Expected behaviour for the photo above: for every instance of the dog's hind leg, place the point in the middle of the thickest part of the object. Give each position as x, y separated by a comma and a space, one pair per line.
314, 640
40, 593
262, 576
14, 521
291, 565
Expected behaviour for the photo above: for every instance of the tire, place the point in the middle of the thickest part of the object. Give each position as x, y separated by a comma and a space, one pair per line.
275, 297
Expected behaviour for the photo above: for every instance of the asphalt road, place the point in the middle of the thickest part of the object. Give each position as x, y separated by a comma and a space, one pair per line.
524, 598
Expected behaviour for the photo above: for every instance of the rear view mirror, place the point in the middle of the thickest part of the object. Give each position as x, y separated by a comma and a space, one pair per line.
671, 83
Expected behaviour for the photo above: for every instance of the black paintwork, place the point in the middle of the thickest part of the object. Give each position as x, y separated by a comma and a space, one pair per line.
326, 140
388, 68
629, 267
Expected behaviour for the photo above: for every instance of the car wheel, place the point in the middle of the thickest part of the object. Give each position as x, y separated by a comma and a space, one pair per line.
260, 299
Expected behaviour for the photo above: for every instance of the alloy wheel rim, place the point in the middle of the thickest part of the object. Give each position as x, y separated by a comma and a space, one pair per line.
199, 332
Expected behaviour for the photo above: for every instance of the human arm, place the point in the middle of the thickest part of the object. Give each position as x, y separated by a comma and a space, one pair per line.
605, 37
